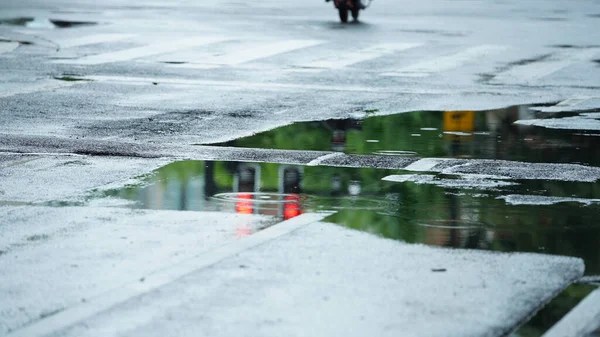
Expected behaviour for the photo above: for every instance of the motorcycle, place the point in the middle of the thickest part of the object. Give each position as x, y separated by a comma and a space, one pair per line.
352, 6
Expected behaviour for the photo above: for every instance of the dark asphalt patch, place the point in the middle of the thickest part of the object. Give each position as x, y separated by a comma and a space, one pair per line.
16, 144
49, 313
369, 161
38, 237
571, 46
92, 147
170, 123
242, 114
105, 153
18, 41
485, 78
23, 21
71, 79
75, 163
72, 24
529, 61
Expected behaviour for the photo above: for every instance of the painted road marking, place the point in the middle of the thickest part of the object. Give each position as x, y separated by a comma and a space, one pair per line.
7, 47
319, 160
354, 57
147, 50
570, 104
93, 39
253, 53
445, 63
146, 283
583, 320
573, 101
533, 71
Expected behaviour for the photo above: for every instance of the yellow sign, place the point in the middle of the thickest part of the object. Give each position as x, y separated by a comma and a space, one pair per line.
459, 121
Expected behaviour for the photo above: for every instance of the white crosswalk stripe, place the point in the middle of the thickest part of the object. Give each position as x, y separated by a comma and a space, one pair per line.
533, 71
7, 47
256, 52
144, 51
445, 63
571, 104
92, 39
353, 57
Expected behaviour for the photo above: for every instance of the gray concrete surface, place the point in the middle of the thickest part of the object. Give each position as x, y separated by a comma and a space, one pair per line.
324, 280
56, 258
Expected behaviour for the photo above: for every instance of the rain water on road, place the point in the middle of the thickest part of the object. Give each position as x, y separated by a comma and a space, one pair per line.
454, 210
450, 210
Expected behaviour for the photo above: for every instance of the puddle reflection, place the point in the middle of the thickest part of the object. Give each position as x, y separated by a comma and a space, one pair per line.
407, 211
488, 134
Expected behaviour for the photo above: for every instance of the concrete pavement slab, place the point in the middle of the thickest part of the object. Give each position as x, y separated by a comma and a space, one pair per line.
54, 258
324, 280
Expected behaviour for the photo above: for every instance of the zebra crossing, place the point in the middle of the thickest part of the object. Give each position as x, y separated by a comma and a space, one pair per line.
144, 51
92, 39
446, 62
527, 73
355, 56
316, 56
253, 53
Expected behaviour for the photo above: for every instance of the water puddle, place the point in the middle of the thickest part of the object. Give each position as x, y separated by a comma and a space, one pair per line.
492, 134
550, 217
503, 218
466, 210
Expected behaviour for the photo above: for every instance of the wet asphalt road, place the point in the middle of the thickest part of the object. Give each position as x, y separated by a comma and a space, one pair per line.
157, 107
201, 72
